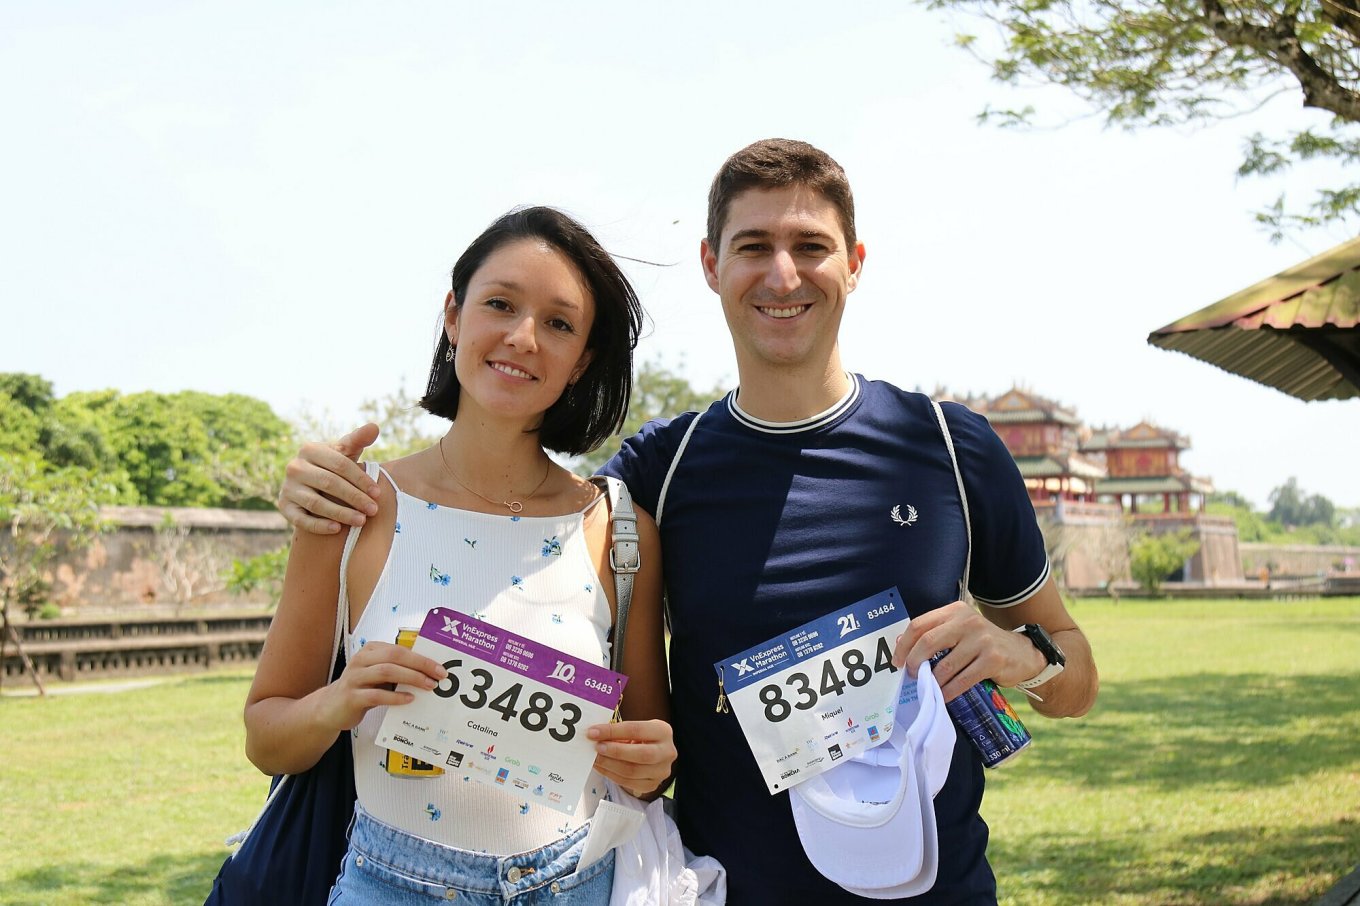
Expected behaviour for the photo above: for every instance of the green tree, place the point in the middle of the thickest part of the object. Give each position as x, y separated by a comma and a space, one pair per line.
406, 428
1251, 525
248, 447
41, 510
28, 390
658, 392
20, 427
1170, 62
177, 449
1293, 507
1152, 558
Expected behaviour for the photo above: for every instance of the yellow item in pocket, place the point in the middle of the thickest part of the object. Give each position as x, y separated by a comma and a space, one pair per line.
400, 764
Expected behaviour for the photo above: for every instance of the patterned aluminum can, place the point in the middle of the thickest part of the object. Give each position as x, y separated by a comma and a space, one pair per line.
985, 717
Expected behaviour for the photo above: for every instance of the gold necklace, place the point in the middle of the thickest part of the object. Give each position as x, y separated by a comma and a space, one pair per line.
514, 506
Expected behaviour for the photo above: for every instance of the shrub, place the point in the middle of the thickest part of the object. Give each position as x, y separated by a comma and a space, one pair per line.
1154, 557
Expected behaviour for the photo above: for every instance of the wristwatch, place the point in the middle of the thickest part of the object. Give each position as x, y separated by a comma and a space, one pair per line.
1048, 648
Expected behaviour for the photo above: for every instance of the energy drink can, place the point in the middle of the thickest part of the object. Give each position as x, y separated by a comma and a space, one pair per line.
984, 716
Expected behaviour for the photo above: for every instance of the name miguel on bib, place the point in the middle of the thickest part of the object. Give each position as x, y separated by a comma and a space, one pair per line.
827, 689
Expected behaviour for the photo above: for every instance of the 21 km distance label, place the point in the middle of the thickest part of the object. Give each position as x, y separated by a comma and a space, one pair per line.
512, 712
810, 697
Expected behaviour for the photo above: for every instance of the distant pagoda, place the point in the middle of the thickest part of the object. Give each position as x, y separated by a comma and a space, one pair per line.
1143, 464
1044, 438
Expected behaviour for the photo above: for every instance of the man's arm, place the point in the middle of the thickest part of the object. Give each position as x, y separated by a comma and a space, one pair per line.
982, 646
323, 486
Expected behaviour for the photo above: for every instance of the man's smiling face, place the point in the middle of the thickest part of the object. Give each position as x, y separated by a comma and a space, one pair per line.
783, 272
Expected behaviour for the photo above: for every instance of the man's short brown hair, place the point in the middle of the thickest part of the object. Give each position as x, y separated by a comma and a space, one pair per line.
776, 163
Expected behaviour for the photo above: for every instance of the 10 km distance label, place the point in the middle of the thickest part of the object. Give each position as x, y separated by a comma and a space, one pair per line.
511, 714
828, 689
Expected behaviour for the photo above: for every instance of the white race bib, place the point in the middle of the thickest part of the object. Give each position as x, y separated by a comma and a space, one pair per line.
512, 713
828, 689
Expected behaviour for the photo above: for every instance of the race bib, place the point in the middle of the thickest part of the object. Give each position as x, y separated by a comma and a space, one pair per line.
511, 714
828, 689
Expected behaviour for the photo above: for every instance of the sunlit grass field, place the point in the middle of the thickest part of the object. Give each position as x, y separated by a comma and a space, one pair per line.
1221, 766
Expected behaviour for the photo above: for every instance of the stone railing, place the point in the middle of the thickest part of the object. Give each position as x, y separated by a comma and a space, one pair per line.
88, 649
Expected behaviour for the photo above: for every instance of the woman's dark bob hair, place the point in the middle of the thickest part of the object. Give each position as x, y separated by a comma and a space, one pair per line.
593, 408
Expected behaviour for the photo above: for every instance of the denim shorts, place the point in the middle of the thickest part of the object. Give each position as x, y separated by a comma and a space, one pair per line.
385, 865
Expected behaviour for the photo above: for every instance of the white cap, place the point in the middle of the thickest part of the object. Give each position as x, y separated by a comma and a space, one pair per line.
869, 824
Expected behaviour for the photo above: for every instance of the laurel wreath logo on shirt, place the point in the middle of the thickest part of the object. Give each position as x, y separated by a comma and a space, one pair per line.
897, 515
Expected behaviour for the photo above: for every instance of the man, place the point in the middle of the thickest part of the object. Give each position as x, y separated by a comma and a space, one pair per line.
783, 502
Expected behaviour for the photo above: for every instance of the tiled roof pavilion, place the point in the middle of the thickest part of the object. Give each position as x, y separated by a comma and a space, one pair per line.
1298, 331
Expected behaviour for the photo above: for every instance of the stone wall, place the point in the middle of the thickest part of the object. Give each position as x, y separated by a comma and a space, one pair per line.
1298, 560
163, 556
1217, 562
1088, 543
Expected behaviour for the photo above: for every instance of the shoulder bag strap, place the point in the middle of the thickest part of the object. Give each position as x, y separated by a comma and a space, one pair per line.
964, 594
675, 461
624, 557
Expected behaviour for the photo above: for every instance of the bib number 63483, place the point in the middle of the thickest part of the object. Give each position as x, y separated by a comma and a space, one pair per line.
534, 716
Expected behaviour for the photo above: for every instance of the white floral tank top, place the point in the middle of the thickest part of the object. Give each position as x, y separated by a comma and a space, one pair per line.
532, 575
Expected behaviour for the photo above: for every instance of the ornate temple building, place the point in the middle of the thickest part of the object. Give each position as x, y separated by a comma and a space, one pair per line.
1143, 471
1045, 440
1092, 488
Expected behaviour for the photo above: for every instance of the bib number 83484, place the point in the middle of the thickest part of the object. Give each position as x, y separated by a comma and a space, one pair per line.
533, 717
857, 673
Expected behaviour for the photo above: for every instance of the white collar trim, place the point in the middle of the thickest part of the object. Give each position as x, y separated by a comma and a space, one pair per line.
806, 424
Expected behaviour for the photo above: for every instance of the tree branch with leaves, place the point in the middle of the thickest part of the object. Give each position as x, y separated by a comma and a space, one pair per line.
1175, 62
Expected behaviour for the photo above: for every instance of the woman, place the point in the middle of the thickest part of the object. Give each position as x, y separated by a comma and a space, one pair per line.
535, 353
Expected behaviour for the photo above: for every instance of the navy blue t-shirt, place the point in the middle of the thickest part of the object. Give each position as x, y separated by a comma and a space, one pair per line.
767, 526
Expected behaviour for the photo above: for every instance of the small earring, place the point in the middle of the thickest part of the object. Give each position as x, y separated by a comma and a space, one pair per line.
448, 356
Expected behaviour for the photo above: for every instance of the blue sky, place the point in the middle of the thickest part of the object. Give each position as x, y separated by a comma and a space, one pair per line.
266, 199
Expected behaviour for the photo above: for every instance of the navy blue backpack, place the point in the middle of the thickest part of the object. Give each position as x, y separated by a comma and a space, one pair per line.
291, 855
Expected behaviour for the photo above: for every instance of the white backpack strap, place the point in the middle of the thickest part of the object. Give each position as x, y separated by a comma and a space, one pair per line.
675, 461
624, 557
964, 594
342, 604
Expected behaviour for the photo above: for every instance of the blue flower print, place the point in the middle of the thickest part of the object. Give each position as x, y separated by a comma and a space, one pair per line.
470, 542
589, 588
552, 547
437, 577
524, 808
434, 813
398, 528
517, 582
557, 618
431, 506
514, 519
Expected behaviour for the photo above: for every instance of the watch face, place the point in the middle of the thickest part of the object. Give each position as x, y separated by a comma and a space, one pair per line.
1044, 642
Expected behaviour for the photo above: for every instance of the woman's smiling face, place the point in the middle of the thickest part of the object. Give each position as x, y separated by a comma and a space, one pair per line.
521, 331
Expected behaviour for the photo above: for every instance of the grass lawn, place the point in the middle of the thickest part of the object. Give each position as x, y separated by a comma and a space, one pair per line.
1221, 766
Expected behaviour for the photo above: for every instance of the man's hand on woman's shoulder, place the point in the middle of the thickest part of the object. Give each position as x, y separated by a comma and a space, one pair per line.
325, 487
